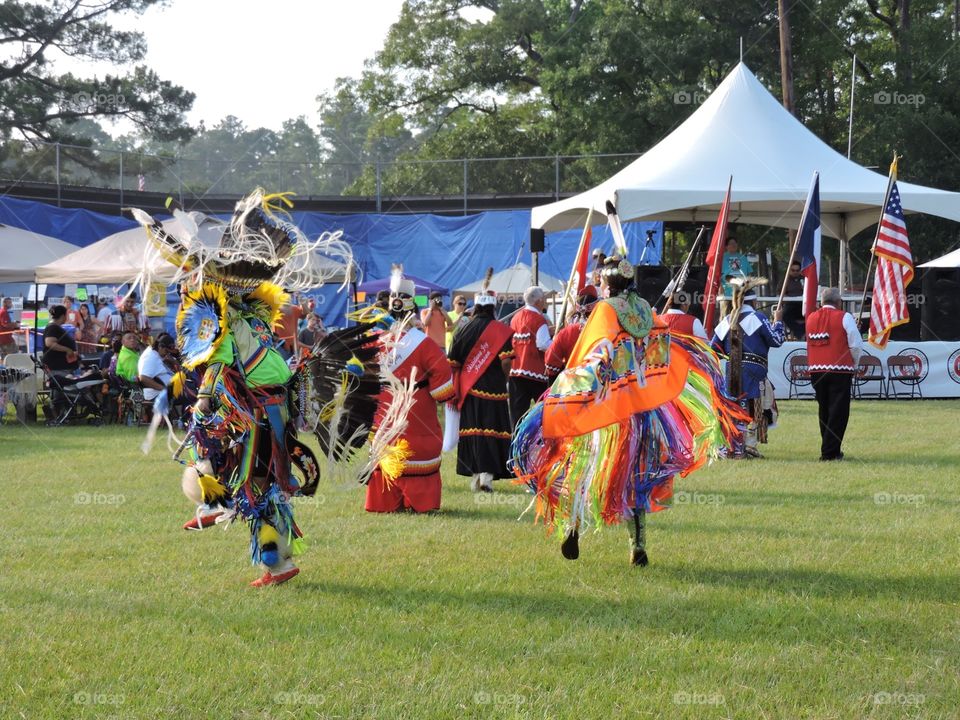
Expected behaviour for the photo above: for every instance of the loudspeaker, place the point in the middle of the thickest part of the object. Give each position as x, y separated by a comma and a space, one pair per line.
940, 307
651, 281
537, 237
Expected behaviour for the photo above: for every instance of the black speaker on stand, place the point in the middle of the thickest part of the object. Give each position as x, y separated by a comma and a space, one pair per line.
940, 306
537, 240
651, 281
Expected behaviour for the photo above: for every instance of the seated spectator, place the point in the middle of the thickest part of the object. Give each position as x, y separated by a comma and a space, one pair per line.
153, 373
59, 349
127, 365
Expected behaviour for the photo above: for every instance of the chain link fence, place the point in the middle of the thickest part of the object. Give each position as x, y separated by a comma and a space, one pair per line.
206, 175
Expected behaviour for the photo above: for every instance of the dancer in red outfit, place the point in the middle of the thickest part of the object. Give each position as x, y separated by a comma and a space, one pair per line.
412, 359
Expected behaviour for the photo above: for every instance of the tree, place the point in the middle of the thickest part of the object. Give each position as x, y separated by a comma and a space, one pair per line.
40, 103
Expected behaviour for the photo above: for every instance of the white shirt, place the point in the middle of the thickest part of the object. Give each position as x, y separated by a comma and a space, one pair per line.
543, 332
698, 329
151, 365
854, 341
103, 317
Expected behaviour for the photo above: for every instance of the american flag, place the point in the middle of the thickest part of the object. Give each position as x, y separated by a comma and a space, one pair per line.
894, 272
808, 246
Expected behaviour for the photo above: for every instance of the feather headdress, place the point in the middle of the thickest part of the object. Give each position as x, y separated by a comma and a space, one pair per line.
486, 296
259, 243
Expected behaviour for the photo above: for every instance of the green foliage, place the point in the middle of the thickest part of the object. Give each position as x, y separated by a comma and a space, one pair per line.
37, 102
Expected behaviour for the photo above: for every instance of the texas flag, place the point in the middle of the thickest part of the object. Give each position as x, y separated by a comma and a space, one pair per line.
808, 246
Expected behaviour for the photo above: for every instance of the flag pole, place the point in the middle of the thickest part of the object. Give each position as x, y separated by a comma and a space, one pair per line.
883, 208
674, 284
710, 296
562, 320
793, 250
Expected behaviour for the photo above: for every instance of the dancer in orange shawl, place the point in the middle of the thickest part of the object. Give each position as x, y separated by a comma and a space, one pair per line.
634, 408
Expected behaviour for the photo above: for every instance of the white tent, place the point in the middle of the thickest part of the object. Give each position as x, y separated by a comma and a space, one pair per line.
21, 251
950, 260
118, 258
514, 280
741, 130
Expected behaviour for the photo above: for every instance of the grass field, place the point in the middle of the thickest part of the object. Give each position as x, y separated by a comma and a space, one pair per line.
782, 588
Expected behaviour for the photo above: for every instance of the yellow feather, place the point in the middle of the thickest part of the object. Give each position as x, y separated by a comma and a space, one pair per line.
273, 297
211, 488
395, 460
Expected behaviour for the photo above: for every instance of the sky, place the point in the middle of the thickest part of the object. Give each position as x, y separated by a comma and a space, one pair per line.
264, 62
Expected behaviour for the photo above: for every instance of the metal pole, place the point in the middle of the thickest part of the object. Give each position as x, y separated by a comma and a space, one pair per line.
180, 178
58, 175
853, 87
535, 262
465, 166
556, 177
121, 179
379, 185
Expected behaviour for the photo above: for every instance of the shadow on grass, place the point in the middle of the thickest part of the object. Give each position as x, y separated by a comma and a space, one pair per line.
786, 620
825, 583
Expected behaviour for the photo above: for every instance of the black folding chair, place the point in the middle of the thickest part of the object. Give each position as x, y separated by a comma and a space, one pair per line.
72, 399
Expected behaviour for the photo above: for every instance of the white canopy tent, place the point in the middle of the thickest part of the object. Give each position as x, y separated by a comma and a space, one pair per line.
514, 280
741, 130
950, 260
21, 251
118, 258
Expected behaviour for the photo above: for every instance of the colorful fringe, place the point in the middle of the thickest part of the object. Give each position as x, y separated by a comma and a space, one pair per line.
601, 477
229, 438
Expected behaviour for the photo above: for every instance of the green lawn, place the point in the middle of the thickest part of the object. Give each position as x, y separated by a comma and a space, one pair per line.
782, 588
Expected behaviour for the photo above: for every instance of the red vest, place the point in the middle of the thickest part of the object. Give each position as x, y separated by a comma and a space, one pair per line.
561, 347
827, 348
679, 322
528, 362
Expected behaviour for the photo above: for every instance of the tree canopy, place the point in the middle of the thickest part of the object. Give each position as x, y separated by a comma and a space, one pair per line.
40, 103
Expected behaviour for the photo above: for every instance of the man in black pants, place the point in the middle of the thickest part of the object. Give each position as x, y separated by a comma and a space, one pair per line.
833, 350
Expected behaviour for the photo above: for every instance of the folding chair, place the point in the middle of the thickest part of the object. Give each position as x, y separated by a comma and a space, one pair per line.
903, 369
71, 399
799, 376
869, 369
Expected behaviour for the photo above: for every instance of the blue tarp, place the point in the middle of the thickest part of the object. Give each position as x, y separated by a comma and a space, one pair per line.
453, 251
78, 227
456, 251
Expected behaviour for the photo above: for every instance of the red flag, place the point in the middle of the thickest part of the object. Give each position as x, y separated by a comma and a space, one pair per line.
715, 264
583, 257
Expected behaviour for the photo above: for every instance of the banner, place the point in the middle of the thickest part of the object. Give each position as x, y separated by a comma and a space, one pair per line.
937, 362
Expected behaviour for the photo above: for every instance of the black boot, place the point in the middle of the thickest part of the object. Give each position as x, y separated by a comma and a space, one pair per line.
638, 537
